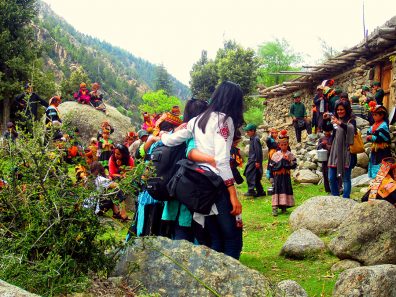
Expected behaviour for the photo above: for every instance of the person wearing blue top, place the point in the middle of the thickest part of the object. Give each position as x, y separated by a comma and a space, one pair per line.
379, 136
174, 211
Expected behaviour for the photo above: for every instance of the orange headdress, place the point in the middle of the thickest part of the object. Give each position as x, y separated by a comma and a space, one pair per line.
283, 137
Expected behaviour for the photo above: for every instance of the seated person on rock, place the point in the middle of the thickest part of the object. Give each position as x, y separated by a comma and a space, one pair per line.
83, 96
97, 98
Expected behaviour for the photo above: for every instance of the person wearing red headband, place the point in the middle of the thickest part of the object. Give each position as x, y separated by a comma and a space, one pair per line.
280, 165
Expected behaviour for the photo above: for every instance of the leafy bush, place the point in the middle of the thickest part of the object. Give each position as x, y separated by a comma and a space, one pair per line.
49, 240
254, 115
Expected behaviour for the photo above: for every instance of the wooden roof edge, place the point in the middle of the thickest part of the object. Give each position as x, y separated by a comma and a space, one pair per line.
347, 56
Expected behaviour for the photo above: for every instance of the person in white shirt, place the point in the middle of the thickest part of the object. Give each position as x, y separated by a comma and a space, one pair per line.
213, 133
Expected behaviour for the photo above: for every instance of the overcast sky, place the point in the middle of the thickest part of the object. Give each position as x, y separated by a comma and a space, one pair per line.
174, 32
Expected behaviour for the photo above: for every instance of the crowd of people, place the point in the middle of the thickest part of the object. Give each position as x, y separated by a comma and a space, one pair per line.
334, 117
208, 133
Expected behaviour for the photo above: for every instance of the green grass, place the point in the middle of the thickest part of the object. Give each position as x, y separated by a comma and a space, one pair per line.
264, 236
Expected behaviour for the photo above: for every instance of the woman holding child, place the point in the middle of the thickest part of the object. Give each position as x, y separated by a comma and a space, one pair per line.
213, 133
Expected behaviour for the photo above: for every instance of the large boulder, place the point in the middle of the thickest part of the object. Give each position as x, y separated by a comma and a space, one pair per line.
322, 214
88, 120
290, 288
362, 160
368, 234
306, 176
8, 290
371, 281
301, 244
179, 268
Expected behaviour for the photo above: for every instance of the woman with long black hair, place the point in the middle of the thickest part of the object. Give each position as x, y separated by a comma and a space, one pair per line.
341, 160
213, 133
120, 161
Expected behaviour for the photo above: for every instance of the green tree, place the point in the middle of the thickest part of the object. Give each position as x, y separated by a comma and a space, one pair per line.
163, 80
18, 47
43, 80
276, 56
204, 77
157, 102
327, 50
71, 85
238, 65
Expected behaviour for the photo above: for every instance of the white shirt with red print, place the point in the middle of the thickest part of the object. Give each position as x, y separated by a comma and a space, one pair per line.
216, 141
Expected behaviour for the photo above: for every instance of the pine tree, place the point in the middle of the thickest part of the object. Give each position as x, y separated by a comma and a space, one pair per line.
204, 77
18, 47
163, 80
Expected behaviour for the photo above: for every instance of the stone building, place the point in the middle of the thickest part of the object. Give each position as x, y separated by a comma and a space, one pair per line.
374, 59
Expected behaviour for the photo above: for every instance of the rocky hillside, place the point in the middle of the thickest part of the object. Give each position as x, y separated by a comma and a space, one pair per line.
123, 76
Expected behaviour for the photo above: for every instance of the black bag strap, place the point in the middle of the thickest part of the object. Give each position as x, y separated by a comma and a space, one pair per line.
175, 180
215, 179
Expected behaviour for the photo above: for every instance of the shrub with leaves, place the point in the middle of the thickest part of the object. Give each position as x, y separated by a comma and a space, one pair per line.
49, 240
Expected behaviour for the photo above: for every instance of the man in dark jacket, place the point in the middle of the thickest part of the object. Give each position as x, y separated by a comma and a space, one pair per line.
299, 116
378, 92
27, 104
254, 166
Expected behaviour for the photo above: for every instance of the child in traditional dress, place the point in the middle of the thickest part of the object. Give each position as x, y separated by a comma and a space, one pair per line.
148, 123
105, 148
82, 96
378, 134
96, 98
325, 143
281, 163
236, 158
272, 144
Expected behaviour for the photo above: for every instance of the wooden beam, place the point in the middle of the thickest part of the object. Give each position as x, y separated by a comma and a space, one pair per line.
387, 30
299, 83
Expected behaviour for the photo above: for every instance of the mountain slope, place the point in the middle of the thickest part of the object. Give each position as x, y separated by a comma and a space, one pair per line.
124, 77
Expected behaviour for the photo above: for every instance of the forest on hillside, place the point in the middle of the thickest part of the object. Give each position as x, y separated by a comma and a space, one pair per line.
41, 47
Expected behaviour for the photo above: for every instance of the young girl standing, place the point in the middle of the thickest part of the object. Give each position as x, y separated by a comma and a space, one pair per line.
378, 134
105, 148
280, 164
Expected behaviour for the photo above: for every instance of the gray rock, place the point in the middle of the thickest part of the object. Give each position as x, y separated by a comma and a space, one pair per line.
265, 153
309, 165
88, 120
361, 123
358, 171
8, 290
313, 155
322, 214
362, 180
368, 234
290, 288
344, 265
372, 281
301, 244
161, 265
306, 176
362, 160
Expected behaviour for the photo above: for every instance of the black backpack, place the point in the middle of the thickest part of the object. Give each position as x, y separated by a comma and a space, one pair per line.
164, 159
196, 186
